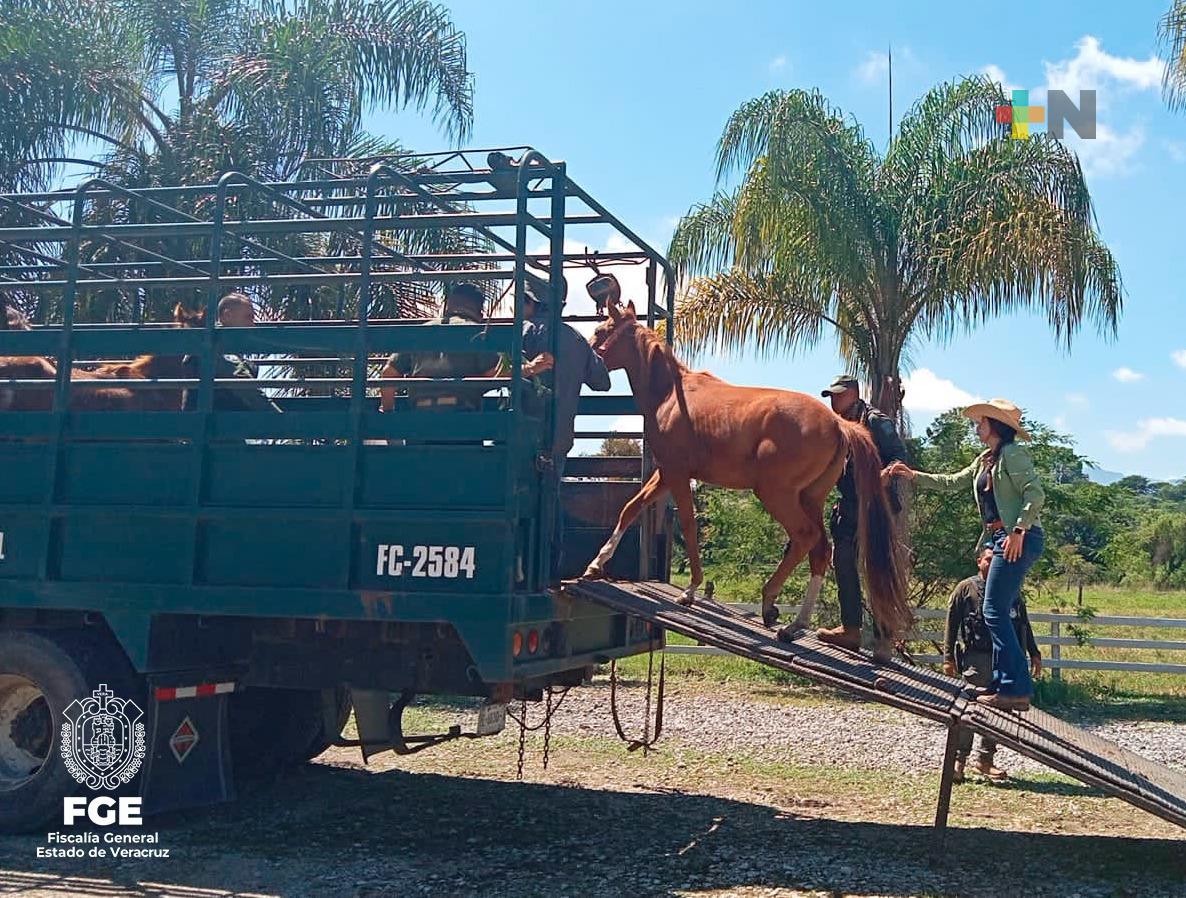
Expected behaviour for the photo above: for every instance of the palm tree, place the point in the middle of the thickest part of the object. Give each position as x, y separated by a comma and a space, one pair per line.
954, 224
166, 92
260, 84
1171, 33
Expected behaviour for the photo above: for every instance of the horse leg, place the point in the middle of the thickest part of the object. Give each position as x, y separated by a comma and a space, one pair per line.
651, 491
821, 559
804, 534
681, 491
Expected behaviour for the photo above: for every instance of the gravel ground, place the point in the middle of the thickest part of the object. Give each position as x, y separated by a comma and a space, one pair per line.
847, 815
839, 733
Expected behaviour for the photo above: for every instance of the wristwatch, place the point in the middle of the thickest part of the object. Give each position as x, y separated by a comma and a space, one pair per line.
1019, 531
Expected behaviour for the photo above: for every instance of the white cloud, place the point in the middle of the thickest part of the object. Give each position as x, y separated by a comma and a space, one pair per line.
997, 74
1127, 375
1092, 68
874, 68
1147, 430
1110, 152
1060, 423
778, 63
1176, 149
927, 392
1179, 358
1078, 400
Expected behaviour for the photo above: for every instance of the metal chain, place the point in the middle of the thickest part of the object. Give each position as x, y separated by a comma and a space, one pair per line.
548, 729
522, 738
646, 719
648, 739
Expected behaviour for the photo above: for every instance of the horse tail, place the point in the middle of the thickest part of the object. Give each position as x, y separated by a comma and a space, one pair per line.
882, 553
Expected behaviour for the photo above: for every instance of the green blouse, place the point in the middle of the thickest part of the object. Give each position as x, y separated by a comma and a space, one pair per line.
1015, 485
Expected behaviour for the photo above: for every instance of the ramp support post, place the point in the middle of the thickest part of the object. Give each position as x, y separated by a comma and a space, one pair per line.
945, 782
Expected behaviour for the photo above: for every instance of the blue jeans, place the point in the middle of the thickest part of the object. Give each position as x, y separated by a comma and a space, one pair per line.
1002, 591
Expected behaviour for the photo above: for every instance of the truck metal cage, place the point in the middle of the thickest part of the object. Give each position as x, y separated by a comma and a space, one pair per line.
328, 508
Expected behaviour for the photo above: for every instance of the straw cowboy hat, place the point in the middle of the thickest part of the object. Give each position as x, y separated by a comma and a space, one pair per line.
999, 410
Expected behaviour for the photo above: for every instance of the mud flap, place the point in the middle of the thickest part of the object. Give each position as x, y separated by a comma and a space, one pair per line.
189, 758
372, 715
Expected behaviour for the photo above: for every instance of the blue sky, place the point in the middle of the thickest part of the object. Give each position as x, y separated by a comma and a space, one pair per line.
633, 96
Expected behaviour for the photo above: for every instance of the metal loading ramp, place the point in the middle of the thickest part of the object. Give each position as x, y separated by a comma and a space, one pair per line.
918, 690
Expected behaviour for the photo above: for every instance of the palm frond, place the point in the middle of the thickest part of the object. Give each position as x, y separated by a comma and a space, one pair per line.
1010, 225
1171, 35
703, 239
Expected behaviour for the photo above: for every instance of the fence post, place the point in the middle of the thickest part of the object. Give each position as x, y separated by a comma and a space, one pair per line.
1055, 652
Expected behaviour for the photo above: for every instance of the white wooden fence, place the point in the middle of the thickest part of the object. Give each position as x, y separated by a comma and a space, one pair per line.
1050, 643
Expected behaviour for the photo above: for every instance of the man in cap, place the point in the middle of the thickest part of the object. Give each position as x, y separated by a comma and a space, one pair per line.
463, 305
845, 396
574, 365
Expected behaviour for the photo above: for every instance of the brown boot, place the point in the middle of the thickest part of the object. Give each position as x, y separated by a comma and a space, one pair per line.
841, 637
987, 770
957, 773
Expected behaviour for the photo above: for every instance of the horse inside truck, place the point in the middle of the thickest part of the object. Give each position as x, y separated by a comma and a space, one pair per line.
214, 588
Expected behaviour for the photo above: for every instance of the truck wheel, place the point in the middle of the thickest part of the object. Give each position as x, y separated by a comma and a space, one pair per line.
40, 675
274, 728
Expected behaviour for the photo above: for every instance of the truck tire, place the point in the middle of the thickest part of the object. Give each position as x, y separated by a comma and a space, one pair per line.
275, 728
41, 673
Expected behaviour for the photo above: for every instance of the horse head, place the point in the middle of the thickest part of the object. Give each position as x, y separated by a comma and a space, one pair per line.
612, 340
15, 320
187, 318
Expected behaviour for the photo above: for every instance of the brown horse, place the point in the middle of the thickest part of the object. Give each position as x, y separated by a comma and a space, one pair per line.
23, 368
99, 397
787, 447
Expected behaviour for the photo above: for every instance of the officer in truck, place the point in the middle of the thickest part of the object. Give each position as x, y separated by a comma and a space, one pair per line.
234, 310
463, 305
575, 365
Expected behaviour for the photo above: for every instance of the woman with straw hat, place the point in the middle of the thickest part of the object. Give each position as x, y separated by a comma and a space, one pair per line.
1009, 497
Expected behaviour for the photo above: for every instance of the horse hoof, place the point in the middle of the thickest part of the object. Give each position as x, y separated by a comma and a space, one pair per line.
687, 599
789, 633
593, 573
770, 615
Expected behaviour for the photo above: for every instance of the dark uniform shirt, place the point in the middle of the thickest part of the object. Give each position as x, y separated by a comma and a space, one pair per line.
966, 639
576, 364
232, 399
889, 446
471, 363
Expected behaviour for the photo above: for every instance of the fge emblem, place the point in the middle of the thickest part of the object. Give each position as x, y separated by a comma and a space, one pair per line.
103, 741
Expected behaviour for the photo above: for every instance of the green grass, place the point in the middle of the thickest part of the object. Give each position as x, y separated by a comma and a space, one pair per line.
1134, 690
1124, 694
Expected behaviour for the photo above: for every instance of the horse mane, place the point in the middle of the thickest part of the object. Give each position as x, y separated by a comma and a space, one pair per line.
662, 370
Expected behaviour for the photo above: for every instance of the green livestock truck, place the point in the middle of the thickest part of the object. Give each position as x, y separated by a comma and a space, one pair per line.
215, 541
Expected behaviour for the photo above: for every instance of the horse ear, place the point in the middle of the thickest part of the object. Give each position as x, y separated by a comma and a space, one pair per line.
630, 308
614, 311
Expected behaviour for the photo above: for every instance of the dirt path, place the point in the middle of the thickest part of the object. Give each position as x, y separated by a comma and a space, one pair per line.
696, 818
